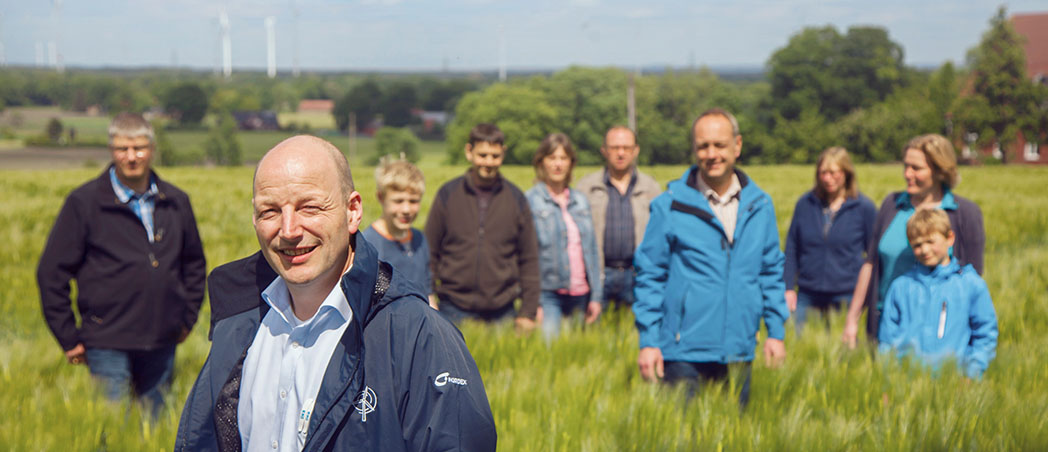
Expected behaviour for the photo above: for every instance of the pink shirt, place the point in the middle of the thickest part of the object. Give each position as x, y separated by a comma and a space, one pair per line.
577, 282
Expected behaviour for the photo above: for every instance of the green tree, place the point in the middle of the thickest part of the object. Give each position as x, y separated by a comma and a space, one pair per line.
54, 130
524, 114
1003, 102
444, 95
399, 143
588, 101
362, 100
167, 155
186, 103
833, 74
222, 146
398, 99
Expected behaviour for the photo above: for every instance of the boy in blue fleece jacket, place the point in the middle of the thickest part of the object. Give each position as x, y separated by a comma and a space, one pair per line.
939, 310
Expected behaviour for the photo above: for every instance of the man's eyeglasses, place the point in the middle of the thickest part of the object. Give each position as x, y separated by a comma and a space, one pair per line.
137, 150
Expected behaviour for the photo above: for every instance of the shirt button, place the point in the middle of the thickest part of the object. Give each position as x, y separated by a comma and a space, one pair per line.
275, 444
294, 345
283, 394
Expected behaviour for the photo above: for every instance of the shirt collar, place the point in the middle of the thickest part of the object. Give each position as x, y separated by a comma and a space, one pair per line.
279, 298
633, 178
733, 190
948, 201
125, 193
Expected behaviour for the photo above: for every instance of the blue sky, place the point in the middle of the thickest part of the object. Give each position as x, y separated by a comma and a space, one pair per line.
465, 34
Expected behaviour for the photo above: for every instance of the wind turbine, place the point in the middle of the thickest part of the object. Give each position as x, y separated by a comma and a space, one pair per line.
271, 47
227, 46
54, 57
295, 71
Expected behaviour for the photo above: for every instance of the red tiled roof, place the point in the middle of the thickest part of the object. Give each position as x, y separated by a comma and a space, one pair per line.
321, 105
1034, 27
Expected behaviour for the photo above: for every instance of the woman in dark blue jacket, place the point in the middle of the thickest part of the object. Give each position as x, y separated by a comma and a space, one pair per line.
568, 265
832, 226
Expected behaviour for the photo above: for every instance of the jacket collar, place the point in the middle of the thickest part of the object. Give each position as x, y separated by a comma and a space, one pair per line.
681, 189
948, 201
848, 202
546, 196
472, 187
938, 272
106, 197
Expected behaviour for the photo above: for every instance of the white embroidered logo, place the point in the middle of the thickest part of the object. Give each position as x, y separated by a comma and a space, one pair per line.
444, 379
366, 403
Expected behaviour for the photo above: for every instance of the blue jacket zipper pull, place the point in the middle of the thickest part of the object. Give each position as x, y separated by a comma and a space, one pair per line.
942, 320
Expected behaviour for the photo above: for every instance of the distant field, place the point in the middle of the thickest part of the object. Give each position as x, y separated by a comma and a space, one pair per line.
316, 121
582, 393
24, 122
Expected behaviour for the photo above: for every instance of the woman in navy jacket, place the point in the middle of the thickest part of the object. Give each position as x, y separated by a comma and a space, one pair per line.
832, 226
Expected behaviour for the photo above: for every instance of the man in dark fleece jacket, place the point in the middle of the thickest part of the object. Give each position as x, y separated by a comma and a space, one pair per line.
482, 245
333, 351
130, 241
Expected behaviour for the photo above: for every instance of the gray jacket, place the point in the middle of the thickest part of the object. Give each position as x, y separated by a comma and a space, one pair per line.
645, 190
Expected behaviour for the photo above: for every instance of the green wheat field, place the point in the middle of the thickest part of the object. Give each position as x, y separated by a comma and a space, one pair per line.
583, 392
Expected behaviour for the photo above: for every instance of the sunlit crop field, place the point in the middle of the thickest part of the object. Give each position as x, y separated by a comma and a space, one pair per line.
583, 392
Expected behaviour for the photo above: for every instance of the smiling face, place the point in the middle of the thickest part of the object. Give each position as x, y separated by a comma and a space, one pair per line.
920, 178
302, 219
399, 209
620, 149
932, 249
831, 179
486, 159
716, 148
131, 158
557, 167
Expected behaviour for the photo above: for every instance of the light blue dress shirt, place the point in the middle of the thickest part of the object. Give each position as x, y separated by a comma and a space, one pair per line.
143, 205
284, 369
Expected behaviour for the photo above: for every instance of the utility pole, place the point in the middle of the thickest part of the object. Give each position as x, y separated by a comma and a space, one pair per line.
631, 106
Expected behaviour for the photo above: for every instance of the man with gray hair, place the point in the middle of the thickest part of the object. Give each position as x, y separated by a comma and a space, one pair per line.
709, 269
130, 241
317, 345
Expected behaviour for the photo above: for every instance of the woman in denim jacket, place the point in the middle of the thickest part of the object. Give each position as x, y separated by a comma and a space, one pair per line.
568, 265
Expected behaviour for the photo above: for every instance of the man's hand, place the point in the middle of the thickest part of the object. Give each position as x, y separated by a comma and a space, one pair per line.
774, 352
650, 362
525, 325
791, 300
434, 301
593, 311
76, 355
851, 331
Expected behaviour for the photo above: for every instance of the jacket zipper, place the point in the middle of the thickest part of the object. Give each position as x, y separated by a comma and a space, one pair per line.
942, 320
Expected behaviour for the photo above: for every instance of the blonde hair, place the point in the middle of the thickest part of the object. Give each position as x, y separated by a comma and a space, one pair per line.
399, 175
940, 155
839, 156
928, 221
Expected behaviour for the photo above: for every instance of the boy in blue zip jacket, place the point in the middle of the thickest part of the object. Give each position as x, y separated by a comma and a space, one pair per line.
939, 310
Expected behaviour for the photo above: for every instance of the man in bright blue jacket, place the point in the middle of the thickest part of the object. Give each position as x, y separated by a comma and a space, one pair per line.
709, 268
319, 346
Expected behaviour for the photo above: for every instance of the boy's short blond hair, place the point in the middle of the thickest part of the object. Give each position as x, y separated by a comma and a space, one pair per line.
399, 175
928, 221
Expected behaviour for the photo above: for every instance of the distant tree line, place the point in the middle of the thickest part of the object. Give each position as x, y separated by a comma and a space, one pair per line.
823, 88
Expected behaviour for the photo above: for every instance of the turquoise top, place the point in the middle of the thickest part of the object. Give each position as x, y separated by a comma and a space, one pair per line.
894, 248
